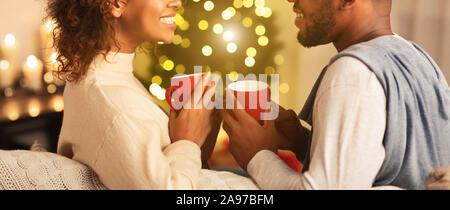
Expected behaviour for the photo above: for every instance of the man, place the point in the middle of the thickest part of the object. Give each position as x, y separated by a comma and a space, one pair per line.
380, 111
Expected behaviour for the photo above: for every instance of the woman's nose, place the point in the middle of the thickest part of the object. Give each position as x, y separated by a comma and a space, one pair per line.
176, 4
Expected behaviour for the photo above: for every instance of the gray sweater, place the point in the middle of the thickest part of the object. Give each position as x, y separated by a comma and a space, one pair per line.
417, 136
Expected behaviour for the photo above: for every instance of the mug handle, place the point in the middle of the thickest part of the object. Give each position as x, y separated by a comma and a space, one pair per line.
169, 95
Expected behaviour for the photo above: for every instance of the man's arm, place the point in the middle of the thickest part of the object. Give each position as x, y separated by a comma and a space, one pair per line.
349, 123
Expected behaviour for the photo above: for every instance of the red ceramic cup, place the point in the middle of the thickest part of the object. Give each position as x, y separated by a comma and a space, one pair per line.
254, 96
182, 86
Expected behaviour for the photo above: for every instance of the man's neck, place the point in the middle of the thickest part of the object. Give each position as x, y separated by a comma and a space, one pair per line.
362, 32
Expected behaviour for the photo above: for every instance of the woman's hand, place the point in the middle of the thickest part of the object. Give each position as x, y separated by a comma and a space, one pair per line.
194, 123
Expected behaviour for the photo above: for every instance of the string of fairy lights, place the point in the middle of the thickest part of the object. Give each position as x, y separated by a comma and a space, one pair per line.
235, 37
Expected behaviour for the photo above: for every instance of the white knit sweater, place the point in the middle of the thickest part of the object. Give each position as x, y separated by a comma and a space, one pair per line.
112, 125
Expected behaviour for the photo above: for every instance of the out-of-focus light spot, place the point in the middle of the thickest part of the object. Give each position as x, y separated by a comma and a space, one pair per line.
247, 22
251, 52
233, 76
218, 28
157, 80
203, 25
250, 62
209, 6
279, 60
51, 88
207, 50
185, 43
180, 69
231, 47
228, 36
260, 30
10, 40
284, 88
263, 41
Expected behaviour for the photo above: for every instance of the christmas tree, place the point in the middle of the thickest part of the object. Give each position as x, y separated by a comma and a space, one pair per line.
225, 37
222, 36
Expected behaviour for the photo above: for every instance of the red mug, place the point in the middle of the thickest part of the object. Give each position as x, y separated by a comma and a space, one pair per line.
253, 95
183, 85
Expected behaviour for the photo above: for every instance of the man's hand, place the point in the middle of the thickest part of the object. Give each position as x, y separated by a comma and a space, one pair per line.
248, 137
210, 143
296, 135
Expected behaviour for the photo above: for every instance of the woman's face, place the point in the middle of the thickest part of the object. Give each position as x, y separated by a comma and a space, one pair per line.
148, 20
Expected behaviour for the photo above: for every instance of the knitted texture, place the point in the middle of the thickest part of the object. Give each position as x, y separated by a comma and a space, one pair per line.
33, 170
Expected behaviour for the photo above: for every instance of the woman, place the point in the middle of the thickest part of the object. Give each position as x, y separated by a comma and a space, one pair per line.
110, 121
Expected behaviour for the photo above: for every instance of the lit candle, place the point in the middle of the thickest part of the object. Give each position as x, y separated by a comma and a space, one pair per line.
6, 74
57, 103
34, 107
32, 70
11, 110
9, 52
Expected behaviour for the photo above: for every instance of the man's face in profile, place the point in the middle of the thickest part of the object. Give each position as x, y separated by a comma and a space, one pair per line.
315, 20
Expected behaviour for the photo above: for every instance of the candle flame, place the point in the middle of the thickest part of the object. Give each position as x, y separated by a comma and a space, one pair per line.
11, 110
10, 40
32, 61
34, 108
4, 65
58, 103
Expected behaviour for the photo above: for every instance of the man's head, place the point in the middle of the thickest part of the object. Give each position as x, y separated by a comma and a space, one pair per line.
324, 21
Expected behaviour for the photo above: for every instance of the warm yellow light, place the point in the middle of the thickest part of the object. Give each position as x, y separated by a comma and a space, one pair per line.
233, 76
180, 69
50, 25
179, 20
177, 39
10, 40
11, 110
185, 43
48, 77
263, 41
218, 28
207, 50
267, 12
203, 25
195, 0
260, 30
58, 103
260, 3
51, 88
209, 5
248, 3
247, 22
157, 91
180, 11
32, 61
238, 4
157, 80
231, 47
4, 65
269, 70
251, 52
279, 60
34, 108
228, 36
250, 62
168, 65
184, 26
284, 88
53, 57
162, 59
228, 13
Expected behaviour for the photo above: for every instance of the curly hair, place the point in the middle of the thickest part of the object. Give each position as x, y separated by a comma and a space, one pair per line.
83, 30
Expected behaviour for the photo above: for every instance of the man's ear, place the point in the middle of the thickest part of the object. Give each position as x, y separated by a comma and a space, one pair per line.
346, 4
117, 7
